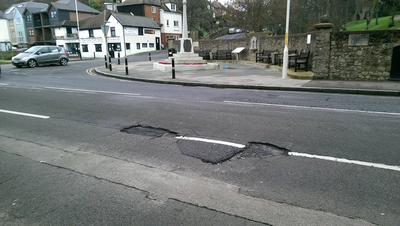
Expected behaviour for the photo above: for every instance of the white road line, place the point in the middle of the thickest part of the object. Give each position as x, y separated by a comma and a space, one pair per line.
212, 141
3, 84
92, 91
24, 114
304, 155
361, 163
317, 108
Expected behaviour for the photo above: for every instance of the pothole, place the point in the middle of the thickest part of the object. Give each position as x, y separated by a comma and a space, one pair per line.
262, 150
149, 131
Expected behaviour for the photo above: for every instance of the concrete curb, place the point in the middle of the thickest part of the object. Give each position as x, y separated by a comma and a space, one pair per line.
281, 88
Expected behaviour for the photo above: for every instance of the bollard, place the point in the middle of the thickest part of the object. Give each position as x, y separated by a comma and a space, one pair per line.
173, 67
109, 62
126, 66
149, 56
119, 59
105, 59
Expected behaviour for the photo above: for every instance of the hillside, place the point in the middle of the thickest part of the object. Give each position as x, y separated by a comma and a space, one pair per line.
383, 24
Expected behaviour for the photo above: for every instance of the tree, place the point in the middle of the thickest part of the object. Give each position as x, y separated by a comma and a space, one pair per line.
392, 6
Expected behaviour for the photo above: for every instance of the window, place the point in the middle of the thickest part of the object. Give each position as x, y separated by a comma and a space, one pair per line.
151, 45
167, 23
18, 21
137, 45
176, 23
144, 45
53, 14
173, 7
128, 46
153, 9
44, 50
109, 7
112, 31
31, 32
91, 33
85, 48
54, 49
69, 30
98, 47
28, 18
140, 31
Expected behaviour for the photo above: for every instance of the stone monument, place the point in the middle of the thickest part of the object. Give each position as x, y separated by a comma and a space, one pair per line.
185, 59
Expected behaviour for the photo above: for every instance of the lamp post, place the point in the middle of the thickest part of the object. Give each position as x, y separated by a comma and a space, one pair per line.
286, 50
77, 23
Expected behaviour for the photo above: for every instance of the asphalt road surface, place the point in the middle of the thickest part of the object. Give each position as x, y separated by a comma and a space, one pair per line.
79, 149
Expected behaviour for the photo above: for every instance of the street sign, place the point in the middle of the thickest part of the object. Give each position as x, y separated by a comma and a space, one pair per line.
105, 28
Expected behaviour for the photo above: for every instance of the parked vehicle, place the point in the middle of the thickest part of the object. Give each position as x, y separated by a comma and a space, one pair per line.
232, 30
41, 55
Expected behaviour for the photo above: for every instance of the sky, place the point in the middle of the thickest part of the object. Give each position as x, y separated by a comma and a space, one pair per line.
223, 1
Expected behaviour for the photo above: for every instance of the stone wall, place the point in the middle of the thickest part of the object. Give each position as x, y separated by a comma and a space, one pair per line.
296, 41
363, 55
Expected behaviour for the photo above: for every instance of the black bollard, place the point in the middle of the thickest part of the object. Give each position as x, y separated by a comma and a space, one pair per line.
173, 67
126, 66
119, 62
149, 56
109, 57
105, 61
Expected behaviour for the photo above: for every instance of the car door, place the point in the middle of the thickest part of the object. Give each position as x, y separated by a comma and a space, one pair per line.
55, 54
43, 55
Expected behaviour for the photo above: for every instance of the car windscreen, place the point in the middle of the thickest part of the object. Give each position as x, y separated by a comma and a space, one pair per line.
32, 49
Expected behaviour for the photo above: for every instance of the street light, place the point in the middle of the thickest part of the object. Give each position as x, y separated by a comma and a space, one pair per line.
286, 50
77, 23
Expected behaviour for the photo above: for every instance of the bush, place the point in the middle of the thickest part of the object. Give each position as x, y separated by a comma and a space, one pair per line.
7, 55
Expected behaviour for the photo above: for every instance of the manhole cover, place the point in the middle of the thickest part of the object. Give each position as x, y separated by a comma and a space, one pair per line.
148, 131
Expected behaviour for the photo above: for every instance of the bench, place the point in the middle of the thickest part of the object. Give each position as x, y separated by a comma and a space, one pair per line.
302, 59
279, 57
265, 54
222, 54
203, 53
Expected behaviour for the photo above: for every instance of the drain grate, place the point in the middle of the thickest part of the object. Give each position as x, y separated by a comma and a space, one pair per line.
262, 150
148, 131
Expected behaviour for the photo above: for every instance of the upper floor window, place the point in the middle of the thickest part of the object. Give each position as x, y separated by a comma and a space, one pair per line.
53, 14
69, 30
153, 9
113, 32
167, 23
18, 21
173, 7
31, 32
140, 31
28, 18
176, 23
91, 33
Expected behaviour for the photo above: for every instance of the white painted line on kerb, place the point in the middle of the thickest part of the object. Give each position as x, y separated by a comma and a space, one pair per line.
212, 141
24, 114
92, 91
361, 163
317, 108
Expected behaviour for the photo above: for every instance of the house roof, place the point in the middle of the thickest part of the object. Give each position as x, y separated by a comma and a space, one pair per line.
33, 7
125, 19
2, 15
217, 4
69, 5
138, 2
166, 9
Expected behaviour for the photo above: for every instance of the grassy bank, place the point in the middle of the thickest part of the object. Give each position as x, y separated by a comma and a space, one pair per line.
383, 24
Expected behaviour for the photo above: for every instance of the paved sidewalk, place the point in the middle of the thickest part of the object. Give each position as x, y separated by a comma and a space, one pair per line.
249, 75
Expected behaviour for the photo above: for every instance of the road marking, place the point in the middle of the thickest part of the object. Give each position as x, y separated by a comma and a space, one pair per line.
3, 84
212, 141
342, 160
24, 114
314, 108
297, 154
92, 91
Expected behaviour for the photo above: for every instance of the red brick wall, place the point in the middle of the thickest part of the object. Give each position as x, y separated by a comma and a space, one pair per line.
148, 13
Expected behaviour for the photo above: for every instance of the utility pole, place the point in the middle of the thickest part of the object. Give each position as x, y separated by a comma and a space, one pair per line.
286, 50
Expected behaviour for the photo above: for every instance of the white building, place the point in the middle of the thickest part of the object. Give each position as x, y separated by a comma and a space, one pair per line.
140, 34
171, 22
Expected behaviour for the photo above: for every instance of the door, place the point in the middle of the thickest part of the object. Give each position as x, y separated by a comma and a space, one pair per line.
395, 70
157, 43
44, 56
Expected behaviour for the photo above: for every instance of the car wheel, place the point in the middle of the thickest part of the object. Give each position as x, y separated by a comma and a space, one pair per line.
32, 63
63, 62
